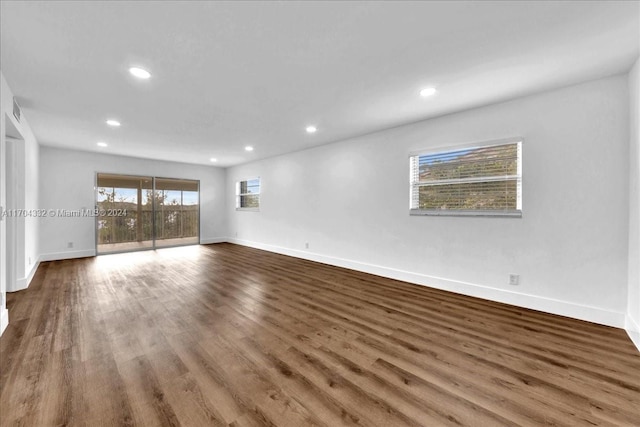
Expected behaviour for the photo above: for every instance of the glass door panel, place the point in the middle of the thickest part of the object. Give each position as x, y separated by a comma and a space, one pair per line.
177, 212
124, 219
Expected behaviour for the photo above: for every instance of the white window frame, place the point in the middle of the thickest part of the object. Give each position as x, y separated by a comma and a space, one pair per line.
238, 194
415, 184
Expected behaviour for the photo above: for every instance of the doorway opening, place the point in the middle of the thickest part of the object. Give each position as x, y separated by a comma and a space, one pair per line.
14, 230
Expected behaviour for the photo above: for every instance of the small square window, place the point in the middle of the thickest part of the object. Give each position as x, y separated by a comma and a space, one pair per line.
248, 194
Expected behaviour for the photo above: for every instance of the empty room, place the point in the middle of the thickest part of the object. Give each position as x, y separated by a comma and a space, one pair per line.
319, 213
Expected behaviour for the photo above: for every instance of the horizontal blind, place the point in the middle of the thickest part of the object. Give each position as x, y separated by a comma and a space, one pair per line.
483, 178
248, 193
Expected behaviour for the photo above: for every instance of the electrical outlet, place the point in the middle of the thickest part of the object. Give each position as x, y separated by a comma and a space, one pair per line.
306, 245
514, 279
29, 260
236, 234
69, 244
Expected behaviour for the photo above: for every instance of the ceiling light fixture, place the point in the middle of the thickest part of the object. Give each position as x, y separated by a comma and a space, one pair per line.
311, 129
113, 123
429, 91
140, 73
248, 148
102, 144
213, 159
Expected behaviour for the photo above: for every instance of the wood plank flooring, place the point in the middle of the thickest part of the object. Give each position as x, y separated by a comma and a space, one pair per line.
223, 335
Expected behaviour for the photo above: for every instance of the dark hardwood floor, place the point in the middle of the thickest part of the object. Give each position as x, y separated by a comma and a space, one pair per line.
223, 335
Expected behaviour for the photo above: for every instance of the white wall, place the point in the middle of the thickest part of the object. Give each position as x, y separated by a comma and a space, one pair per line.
67, 181
350, 202
633, 312
28, 238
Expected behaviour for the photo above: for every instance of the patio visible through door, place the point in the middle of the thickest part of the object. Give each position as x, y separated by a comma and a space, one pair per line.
144, 212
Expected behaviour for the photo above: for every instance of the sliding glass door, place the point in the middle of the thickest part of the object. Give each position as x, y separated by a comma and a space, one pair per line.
143, 212
124, 220
177, 207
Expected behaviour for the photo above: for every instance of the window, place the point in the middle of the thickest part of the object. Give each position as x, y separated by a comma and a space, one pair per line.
482, 179
248, 194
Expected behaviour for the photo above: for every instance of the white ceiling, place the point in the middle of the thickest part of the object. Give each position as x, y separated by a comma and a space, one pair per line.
226, 75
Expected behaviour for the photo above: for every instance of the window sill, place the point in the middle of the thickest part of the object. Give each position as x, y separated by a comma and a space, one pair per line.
499, 214
248, 209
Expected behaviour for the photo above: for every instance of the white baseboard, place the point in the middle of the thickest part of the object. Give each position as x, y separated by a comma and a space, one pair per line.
32, 273
213, 240
22, 284
547, 305
4, 319
633, 330
55, 256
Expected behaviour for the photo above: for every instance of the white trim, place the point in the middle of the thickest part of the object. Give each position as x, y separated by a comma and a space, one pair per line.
466, 145
27, 280
55, 256
548, 305
22, 284
213, 240
32, 273
633, 330
453, 212
4, 319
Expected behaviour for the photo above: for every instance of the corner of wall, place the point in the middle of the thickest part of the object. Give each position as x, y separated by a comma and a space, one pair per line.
633, 330
23, 283
208, 241
632, 322
4, 318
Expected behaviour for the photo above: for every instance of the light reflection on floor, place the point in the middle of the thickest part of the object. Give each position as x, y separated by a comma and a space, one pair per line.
146, 244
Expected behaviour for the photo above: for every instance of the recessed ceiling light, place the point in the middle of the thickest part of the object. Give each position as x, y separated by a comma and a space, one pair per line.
311, 129
102, 144
428, 91
213, 159
139, 73
113, 123
248, 148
